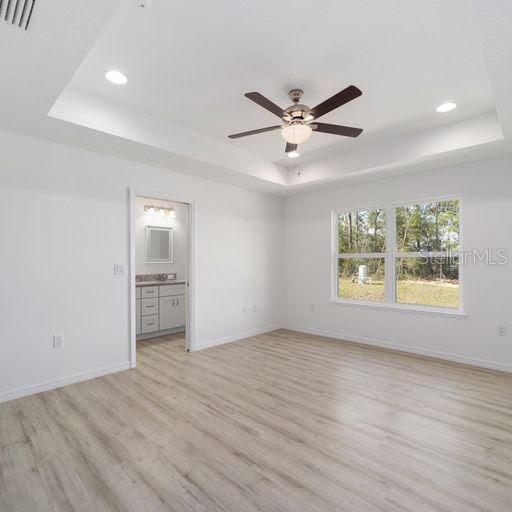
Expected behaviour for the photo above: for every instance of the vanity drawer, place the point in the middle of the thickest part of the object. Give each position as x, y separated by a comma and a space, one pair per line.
172, 289
149, 307
149, 324
149, 292
137, 292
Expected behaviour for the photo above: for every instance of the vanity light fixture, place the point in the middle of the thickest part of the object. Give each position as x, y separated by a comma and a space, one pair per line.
161, 211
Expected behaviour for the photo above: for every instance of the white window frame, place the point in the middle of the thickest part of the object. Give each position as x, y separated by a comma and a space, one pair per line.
390, 257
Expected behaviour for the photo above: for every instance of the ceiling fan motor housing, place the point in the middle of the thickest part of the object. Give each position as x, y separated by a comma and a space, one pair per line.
297, 111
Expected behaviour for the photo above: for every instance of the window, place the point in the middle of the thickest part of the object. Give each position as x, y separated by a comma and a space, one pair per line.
361, 255
399, 255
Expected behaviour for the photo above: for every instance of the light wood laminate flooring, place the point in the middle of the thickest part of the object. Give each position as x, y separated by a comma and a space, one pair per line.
282, 422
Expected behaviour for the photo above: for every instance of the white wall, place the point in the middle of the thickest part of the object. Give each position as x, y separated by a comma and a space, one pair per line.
486, 189
64, 223
180, 235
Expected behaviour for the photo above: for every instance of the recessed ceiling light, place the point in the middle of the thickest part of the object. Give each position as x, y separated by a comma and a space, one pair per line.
116, 77
293, 154
446, 107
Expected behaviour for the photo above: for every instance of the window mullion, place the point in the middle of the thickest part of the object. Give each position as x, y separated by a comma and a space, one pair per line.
361, 256
390, 254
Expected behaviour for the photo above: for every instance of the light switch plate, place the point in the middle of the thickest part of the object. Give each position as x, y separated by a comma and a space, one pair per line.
119, 269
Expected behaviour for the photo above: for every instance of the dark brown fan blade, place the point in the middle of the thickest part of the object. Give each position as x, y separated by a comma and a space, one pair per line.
265, 103
348, 94
254, 132
290, 147
336, 129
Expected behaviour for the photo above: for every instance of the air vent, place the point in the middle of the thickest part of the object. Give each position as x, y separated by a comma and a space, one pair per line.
17, 12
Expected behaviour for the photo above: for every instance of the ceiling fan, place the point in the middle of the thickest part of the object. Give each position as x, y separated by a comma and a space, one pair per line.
300, 120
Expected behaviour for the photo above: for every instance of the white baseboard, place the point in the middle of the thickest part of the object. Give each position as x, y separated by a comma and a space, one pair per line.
64, 381
236, 337
447, 356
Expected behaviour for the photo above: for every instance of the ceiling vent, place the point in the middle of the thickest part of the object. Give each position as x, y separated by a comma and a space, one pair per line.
17, 12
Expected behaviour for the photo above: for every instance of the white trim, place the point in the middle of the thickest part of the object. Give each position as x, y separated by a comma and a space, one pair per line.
63, 381
190, 334
134, 192
132, 309
236, 337
444, 356
335, 282
397, 306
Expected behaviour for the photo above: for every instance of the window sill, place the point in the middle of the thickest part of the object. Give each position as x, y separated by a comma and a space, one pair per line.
402, 307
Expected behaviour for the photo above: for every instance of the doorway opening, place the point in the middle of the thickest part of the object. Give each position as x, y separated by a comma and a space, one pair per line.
160, 272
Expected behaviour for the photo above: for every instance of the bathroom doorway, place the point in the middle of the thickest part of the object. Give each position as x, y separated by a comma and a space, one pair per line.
160, 272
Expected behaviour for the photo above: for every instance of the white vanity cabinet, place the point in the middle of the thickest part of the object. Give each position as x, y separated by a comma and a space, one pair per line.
160, 307
172, 311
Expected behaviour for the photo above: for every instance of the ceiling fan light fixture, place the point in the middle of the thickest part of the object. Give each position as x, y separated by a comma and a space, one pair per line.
296, 133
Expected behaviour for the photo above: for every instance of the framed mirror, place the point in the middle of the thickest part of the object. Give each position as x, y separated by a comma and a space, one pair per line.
159, 244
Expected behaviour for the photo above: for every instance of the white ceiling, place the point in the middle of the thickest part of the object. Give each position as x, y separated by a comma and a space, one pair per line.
190, 62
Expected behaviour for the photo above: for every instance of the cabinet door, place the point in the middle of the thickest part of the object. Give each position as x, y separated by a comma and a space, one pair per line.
166, 313
181, 310
172, 312
138, 320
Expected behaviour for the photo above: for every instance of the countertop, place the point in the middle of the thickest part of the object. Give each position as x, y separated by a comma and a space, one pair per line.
157, 283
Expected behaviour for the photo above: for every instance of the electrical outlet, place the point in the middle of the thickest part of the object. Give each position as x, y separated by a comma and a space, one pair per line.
312, 308
501, 330
58, 341
254, 309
